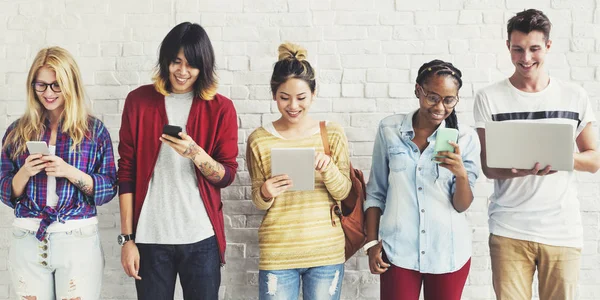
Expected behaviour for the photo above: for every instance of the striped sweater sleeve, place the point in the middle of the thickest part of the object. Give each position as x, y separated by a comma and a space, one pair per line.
257, 174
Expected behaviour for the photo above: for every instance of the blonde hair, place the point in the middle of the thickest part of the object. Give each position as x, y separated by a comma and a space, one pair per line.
292, 64
289, 50
75, 115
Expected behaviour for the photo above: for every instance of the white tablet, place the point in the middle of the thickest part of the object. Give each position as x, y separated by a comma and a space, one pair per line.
298, 164
521, 144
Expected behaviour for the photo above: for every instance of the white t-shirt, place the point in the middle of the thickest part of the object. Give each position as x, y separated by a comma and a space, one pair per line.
542, 209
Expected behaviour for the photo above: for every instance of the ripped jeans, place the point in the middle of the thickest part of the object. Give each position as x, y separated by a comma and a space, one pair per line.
66, 265
318, 283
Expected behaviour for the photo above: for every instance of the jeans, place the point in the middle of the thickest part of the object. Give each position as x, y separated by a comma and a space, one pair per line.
318, 283
65, 265
197, 264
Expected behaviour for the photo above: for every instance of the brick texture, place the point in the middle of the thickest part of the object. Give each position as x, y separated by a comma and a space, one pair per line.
366, 54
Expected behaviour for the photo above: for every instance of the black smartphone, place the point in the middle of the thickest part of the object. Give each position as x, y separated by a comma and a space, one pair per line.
172, 130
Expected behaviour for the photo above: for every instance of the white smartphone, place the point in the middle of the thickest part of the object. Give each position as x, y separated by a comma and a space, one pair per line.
36, 147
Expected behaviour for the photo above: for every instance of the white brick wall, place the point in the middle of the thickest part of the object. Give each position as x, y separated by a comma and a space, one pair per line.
366, 54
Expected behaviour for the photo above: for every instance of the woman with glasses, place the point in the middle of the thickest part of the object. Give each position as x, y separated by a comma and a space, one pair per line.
417, 233
55, 250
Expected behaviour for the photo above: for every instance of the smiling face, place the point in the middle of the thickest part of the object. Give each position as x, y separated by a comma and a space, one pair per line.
443, 86
528, 52
293, 100
54, 102
182, 76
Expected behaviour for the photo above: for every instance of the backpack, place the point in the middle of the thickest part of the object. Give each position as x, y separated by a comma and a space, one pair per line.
350, 210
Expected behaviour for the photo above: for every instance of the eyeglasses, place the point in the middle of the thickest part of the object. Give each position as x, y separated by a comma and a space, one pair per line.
433, 99
41, 87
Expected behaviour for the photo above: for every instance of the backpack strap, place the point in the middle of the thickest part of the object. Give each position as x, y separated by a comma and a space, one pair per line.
323, 130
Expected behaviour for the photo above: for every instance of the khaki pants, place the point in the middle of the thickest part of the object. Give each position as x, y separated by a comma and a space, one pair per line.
514, 263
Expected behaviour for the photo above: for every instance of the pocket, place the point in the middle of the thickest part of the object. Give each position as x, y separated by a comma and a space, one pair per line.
398, 159
19, 233
88, 231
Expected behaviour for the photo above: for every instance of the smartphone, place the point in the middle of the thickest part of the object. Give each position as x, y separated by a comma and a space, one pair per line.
172, 130
35, 147
441, 141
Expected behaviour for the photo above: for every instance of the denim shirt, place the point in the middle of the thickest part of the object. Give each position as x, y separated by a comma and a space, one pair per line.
419, 227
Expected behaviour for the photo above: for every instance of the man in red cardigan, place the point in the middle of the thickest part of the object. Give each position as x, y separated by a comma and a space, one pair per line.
169, 186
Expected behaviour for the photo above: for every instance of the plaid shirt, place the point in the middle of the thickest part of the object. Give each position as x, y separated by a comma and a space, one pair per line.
94, 156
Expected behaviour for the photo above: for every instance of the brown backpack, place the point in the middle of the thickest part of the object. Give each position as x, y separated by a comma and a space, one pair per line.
351, 211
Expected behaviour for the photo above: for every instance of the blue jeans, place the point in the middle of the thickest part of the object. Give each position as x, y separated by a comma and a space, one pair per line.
318, 283
197, 264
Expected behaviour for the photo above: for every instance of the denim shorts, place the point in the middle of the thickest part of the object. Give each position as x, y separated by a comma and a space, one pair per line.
64, 265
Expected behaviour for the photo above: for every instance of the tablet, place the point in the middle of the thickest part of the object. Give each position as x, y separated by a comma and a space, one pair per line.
298, 164
521, 144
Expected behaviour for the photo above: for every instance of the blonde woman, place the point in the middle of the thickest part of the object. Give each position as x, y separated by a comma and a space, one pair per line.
55, 249
292, 216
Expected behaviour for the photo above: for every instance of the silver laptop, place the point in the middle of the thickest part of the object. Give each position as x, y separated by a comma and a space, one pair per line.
298, 164
521, 144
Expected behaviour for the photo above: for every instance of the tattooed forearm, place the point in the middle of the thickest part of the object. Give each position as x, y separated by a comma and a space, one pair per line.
191, 150
85, 188
212, 170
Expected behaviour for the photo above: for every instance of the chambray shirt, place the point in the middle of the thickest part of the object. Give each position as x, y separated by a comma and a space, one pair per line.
419, 227
94, 156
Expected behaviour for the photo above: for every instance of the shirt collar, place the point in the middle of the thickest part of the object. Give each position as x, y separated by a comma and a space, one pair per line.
406, 128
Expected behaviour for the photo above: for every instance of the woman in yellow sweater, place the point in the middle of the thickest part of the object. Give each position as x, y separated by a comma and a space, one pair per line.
297, 240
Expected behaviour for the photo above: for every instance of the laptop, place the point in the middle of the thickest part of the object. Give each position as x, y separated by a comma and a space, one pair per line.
521, 144
298, 164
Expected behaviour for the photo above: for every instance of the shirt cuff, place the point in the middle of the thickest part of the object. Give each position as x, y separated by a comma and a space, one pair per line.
374, 203
126, 187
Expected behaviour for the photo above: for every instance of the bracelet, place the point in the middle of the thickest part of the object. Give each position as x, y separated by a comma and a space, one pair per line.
368, 245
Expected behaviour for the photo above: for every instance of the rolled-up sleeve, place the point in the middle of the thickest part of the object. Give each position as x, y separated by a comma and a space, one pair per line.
378, 179
470, 151
8, 169
104, 174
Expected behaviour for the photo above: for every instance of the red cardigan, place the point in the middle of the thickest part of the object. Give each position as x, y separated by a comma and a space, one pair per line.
213, 126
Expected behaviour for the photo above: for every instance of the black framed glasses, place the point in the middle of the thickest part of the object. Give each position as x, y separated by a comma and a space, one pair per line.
433, 99
41, 87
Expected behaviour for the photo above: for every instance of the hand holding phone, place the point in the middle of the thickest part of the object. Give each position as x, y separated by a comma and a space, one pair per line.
441, 141
172, 130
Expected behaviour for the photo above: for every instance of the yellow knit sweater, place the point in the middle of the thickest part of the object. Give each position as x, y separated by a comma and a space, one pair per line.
296, 231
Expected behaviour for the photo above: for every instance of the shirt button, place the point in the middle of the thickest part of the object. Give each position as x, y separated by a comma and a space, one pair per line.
45, 247
422, 252
419, 168
422, 231
44, 255
44, 263
422, 210
420, 188
415, 150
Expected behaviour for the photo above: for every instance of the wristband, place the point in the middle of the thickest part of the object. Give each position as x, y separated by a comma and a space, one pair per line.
369, 245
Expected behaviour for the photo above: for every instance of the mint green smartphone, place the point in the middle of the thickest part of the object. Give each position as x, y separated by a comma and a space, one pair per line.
441, 141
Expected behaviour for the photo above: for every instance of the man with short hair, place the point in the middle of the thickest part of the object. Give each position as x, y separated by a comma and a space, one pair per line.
534, 214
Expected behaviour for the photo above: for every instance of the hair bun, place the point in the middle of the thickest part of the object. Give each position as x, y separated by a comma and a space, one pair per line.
288, 50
